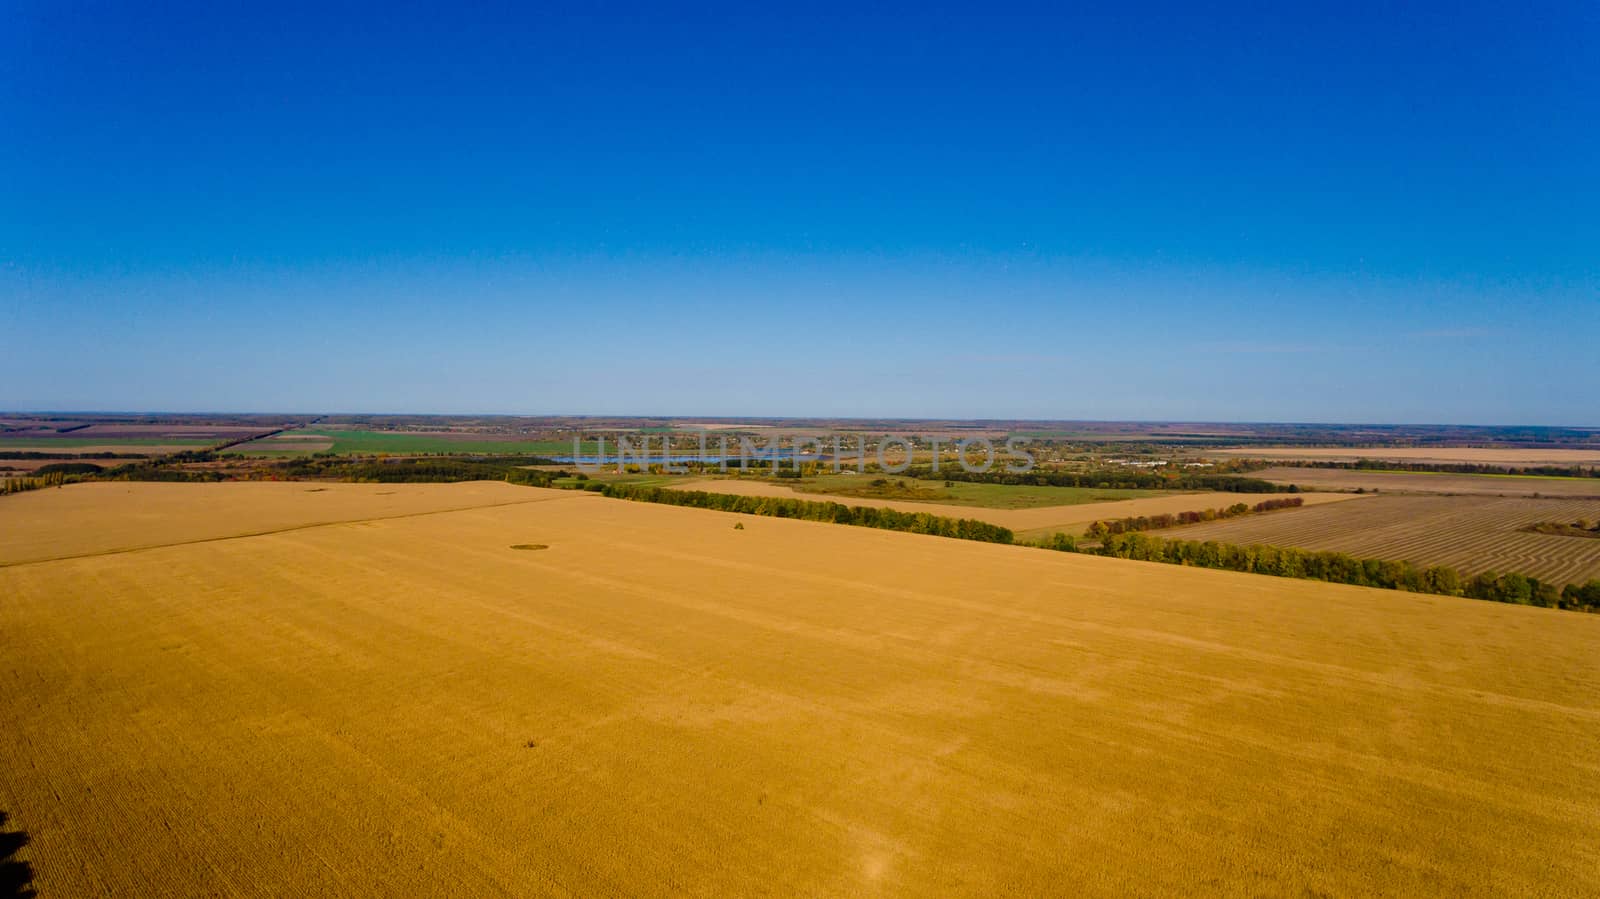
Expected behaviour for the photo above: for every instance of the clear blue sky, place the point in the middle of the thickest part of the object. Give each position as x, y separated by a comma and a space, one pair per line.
1350, 213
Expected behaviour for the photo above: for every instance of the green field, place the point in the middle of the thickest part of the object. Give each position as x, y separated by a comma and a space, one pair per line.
958, 493
354, 441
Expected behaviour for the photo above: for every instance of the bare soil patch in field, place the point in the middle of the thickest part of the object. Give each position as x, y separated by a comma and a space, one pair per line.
1428, 482
660, 703
1476, 455
1469, 533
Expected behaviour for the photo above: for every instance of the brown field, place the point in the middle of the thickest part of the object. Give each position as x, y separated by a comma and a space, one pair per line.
1428, 482
45, 432
1440, 454
290, 441
659, 703
1027, 523
33, 445
1469, 533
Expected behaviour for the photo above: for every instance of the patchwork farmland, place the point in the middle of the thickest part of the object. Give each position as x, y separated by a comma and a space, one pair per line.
1028, 522
1469, 533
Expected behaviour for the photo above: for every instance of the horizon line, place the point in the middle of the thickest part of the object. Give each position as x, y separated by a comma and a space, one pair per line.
814, 417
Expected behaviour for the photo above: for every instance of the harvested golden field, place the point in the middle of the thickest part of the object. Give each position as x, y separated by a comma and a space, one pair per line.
1431, 482
104, 517
1440, 454
1469, 533
1036, 522
659, 703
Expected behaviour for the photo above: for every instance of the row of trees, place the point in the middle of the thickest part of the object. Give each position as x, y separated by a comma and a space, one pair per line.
836, 513
9, 486
535, 477
1557, 471
1339, 568
1106, 479
1099, 530
162, 468
431, 469
67, 468
157, 470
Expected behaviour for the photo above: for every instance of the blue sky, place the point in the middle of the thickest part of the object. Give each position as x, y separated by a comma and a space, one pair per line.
1348, 213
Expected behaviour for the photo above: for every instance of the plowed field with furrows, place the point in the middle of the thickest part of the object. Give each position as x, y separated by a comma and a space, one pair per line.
1469, 533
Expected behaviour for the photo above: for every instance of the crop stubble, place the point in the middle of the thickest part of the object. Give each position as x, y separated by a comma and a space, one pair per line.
660, 703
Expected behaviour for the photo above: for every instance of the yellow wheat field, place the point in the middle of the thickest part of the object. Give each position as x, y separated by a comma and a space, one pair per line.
106, 517
375, 698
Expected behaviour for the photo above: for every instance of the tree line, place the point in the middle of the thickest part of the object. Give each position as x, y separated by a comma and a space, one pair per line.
67, 468
157, 470
1339, 568
1106, 479
1099, 530
431, 469
1554, 471
36, 481
806, 510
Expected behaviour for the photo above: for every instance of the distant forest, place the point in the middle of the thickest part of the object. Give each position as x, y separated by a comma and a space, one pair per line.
1106, 479
1550, 471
